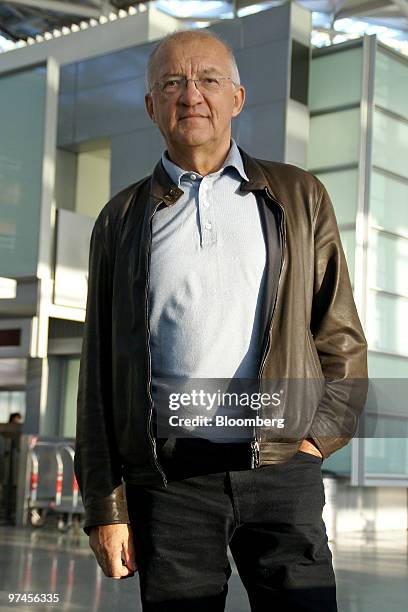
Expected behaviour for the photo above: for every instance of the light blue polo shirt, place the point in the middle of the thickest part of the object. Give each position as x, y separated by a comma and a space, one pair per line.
207, 277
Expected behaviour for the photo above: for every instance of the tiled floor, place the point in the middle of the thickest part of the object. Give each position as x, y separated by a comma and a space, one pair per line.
372, 574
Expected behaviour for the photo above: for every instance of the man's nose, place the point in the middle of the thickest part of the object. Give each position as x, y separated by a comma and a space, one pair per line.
190, 93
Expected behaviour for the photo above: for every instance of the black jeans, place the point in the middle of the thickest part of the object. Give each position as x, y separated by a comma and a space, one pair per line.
270, 517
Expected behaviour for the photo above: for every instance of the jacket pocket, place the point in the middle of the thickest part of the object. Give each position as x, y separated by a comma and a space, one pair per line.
314, 356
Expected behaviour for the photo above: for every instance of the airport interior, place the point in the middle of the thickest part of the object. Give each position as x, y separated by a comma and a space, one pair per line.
327, 90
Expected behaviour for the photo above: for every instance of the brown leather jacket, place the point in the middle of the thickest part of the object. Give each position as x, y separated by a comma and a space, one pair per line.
312, 333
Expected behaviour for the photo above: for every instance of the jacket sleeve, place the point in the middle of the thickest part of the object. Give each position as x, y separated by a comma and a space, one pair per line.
97, 462
338, 336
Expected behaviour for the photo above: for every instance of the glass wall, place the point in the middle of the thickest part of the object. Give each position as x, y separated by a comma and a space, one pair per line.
387, 366
387, 305
326, 88
389, 202
348, 240
342, 186
334, 138
335, 134
22, 108
390, 136
388, 262
334, 156
391, 84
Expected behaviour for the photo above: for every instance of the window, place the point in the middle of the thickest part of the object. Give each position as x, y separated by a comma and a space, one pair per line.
334, 139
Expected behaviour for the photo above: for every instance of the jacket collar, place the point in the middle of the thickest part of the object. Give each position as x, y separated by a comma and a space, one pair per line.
164, 189
256, 176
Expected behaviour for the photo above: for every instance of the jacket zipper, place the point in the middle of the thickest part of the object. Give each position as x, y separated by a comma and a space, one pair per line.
255, 453
149, 382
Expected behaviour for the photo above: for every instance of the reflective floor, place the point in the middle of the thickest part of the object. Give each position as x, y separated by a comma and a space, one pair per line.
372, 574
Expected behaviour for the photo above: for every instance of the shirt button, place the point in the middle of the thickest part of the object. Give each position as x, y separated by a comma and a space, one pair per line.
193, 176
208, 225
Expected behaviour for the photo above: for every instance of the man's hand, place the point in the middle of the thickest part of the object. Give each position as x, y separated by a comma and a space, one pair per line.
309, 447
107, 543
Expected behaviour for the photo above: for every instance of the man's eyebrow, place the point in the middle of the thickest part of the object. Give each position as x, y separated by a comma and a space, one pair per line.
211, 71
169, 74
205, 71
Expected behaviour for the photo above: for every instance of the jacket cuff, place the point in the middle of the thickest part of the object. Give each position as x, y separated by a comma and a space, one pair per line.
108, 510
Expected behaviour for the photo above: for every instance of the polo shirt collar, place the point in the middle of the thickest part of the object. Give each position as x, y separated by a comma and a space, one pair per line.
233, 160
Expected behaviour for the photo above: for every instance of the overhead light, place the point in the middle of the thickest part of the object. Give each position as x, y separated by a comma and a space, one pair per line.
47, 35
142, 8
30, 40
39, 38
122, 13
84, 25
93, 22
57, 33
8, 288
132, 10
320, 39
75, 27
339, 38
65, 30
112, 16
103, 19
194, 8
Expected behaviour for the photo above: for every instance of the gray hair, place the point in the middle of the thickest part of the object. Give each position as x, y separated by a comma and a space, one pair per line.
189, 35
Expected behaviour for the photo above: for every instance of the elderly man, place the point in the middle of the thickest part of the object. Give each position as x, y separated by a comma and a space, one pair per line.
217, 266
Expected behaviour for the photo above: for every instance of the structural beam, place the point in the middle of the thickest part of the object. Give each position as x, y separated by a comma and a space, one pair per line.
57, 6
402, 5
366, 8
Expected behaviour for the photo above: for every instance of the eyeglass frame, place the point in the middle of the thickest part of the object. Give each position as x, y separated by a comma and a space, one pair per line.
186, 80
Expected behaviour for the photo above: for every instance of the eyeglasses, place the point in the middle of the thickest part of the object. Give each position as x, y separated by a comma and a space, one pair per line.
205, 84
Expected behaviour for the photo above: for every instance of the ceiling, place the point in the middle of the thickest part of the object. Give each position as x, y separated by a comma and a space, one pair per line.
20, 19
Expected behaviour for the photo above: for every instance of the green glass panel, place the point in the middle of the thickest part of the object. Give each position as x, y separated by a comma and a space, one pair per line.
390, 143
342, 187
388, 263
391, 83
386, 327
348, 240
386, 456
387, 366
339, 462
389, 203
334, 139
22, 109
326, 88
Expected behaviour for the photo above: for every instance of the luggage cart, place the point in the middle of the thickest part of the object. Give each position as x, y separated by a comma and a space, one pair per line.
53, 488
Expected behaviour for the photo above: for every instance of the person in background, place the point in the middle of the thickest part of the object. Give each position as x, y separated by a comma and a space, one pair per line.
15, 417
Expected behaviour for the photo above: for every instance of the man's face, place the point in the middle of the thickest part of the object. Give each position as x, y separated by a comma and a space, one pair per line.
190, 117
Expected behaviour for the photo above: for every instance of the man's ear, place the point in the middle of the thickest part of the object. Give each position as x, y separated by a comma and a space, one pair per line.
149, 106
239, 99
